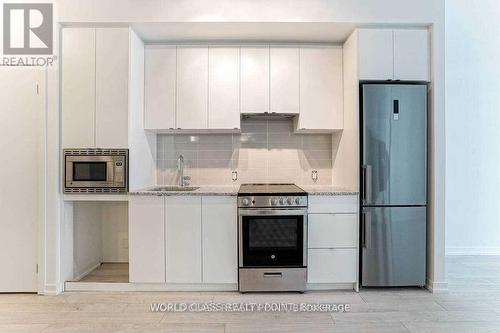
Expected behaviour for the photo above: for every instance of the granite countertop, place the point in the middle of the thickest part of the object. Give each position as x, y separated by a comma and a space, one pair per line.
227, 190
232, 190
327, 190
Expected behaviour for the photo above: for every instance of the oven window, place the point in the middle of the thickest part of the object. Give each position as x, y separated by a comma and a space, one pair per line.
272, 240
89, 171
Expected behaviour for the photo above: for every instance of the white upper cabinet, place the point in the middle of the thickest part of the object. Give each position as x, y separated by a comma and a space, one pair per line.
192, 87
224, 88
411, 55
386, 54
375, 54
183, 239
78, 87
160, 83
112, 63
284, 80
95, 78
254, 79
321, 92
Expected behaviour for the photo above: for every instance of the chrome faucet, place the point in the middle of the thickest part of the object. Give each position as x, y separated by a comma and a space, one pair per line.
183, 180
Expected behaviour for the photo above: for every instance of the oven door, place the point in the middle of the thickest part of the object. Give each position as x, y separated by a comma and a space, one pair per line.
272, 237
90, 171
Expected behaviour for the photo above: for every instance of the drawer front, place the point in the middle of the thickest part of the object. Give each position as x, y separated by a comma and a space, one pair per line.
333, 204
332, 266
272, 279
332, 230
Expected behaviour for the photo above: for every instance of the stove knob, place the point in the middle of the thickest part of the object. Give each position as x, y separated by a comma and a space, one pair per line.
245, 202
289, 201
282, 201
274, 201
297, 201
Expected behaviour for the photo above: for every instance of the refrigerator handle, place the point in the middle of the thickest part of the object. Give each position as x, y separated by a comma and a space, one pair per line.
366, 229
367, 184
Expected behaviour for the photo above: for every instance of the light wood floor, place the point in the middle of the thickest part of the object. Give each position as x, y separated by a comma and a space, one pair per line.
472, 305
108, 272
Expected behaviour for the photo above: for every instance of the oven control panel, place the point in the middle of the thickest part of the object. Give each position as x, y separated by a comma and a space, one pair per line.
272, 201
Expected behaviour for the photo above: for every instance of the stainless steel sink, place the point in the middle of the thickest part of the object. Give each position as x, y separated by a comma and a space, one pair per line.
175, 188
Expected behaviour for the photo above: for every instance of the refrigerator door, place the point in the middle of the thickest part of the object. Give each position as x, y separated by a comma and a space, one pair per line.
393, 246
394, 145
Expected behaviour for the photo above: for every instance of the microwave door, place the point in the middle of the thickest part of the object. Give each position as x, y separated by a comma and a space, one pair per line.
82, 172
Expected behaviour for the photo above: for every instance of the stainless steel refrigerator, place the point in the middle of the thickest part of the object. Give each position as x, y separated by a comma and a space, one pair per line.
394, 184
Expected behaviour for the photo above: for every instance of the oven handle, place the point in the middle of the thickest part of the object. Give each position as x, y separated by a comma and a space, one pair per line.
272, 211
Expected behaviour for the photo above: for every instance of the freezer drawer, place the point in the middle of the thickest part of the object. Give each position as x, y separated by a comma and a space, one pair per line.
393, 246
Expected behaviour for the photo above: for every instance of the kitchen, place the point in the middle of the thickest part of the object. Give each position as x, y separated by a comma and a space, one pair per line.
226, 118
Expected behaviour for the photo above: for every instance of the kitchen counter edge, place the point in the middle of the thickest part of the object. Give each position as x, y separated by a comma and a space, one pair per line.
233, 191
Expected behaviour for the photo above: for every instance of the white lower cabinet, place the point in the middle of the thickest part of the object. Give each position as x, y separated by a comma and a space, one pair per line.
219, 240
333, 238
332, 266
183, 239
332, 230
146, 239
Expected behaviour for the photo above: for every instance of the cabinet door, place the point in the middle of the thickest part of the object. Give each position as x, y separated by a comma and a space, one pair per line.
192, 87
159, 89
147, 239
254, 79
321, 92
224, 88
219, 239
332, 230
375, 54
332, 266
411, 55
284, 80
183, 239
78, 87
112, 62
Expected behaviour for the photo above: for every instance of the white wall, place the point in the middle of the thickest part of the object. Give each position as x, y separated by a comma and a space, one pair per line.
114, 227
472, 127
87, 241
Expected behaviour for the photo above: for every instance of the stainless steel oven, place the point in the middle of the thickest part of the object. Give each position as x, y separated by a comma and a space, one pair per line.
272, 238
96, 170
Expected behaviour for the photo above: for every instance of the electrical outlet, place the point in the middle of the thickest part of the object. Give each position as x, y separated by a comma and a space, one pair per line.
314, 175
234, 175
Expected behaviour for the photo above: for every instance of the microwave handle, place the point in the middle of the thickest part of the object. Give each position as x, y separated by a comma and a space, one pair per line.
110, 171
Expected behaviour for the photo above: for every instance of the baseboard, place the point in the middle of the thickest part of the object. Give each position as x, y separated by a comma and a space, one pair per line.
331, 286
473, 251
52, 289
436, 287
87, 271
106, 286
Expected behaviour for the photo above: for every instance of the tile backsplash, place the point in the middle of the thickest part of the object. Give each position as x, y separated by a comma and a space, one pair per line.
264, 151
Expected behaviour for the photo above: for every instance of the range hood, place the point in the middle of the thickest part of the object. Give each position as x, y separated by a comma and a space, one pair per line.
268, 115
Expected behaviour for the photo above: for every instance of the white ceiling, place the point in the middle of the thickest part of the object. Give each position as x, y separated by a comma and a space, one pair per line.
237, 31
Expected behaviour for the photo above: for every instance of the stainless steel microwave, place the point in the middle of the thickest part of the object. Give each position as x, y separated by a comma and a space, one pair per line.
96, 170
